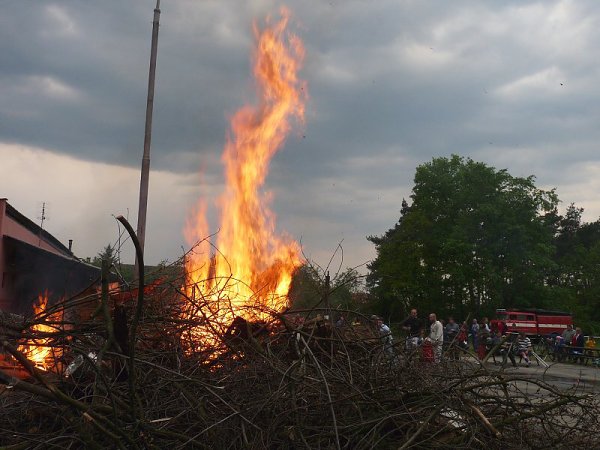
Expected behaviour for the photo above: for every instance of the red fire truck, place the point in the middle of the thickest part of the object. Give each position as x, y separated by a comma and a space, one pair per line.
534, 322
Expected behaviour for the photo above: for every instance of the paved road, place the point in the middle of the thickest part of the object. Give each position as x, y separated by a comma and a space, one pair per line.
560, 374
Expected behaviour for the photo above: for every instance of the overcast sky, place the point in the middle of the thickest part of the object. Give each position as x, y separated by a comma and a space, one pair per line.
392, 84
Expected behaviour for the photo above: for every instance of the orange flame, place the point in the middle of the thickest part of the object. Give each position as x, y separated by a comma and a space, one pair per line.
38, 350
251, 265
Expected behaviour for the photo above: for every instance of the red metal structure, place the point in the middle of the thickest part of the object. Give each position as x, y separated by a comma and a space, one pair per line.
534, 322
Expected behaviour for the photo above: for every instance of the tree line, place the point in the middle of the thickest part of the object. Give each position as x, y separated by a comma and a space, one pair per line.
470, 239
474, 238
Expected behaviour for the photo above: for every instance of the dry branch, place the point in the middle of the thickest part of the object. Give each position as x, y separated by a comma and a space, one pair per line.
289, 382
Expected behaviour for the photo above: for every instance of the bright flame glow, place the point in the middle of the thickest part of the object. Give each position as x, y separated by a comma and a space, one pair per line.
39, 350
249, 270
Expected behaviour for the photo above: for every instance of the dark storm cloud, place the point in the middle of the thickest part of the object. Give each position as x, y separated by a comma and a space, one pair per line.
98, 54
391, 85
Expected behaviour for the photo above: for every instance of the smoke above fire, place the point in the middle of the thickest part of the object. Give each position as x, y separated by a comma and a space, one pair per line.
248, 264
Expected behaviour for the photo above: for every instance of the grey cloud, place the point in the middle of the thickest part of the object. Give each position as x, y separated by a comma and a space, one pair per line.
391, 85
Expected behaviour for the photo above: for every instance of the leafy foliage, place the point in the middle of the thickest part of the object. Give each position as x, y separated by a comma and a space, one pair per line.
577, 277
107, 253
473, 239
344, 290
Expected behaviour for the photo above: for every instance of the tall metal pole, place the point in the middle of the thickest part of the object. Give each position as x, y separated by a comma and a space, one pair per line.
145, 176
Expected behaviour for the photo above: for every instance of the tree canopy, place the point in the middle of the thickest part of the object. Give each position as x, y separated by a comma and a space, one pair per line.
575, 283
474, 238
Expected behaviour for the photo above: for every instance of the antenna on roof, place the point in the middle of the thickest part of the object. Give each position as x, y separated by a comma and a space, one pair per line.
42, 218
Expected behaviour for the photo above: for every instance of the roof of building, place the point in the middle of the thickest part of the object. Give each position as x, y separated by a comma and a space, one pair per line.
36, 229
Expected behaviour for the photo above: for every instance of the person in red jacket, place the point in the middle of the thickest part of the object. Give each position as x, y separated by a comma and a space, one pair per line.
577, 342
463, 336
502, 327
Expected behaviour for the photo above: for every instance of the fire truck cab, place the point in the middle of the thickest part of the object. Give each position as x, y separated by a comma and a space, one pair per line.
534, 322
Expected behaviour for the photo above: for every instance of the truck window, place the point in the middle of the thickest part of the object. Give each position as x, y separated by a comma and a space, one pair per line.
521, 316
513, 317
502, 316
530, 318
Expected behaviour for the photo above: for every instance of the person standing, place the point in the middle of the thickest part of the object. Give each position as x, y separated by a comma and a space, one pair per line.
451, 331
524, 347
501, 348
502, 327
341, 322
436, 337
577, 342
386, 337
590, 346
482, 341
485, 325
412, 325
474, 331
463, 336
568, 334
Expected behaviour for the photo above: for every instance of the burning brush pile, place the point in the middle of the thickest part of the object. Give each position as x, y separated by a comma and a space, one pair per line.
211, 356
131, 379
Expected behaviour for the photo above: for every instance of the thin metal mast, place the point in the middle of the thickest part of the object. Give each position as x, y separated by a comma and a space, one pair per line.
145, 176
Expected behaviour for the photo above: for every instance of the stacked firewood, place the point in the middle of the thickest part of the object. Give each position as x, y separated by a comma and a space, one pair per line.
138, 380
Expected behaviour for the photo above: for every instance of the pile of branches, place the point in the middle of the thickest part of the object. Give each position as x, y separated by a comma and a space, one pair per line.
136, 377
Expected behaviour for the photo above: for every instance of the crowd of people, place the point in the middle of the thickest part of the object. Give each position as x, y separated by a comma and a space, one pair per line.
571, 344
436, 338
432, 343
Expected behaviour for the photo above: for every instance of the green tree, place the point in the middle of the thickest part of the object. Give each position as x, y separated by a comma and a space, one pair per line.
306, 288
345, 290
576, 280
107, 253
473, 239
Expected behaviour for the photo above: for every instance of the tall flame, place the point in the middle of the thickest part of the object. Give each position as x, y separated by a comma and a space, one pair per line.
250, 265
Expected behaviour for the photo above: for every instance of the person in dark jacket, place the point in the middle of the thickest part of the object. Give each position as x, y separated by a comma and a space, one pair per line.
502, 348
451, 342
412, 325
474, 332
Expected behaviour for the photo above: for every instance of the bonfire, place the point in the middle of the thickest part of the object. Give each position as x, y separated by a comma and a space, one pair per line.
248, 270
211, 357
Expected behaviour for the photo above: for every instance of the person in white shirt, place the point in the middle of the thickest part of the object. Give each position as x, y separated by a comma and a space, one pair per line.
386, 336
485, 324
436, 337
524, 347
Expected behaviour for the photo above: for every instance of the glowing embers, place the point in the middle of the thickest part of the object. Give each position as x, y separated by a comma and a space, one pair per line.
38, 344
216, 324
248, 271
